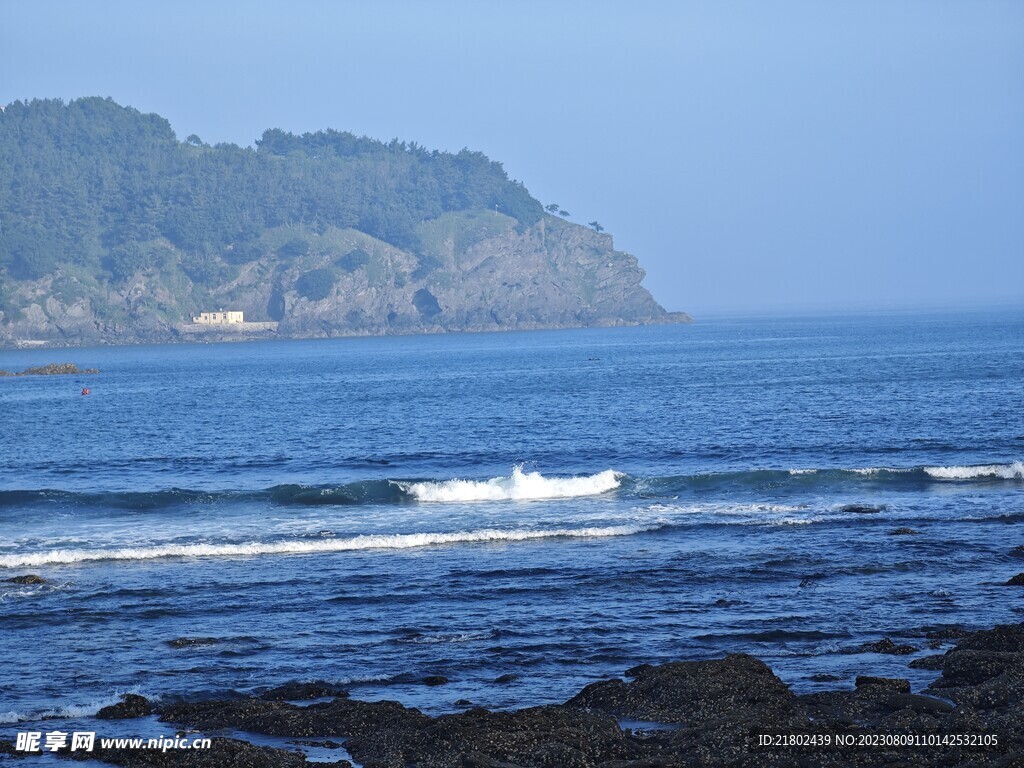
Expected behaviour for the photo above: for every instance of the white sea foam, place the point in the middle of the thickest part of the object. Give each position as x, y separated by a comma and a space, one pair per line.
1014, 471
453, 637
518, 486
375, 541
71, 711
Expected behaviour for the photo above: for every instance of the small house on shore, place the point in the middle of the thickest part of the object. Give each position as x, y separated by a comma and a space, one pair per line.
219, 318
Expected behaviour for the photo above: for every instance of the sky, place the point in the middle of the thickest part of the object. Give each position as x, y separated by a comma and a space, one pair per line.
755, 156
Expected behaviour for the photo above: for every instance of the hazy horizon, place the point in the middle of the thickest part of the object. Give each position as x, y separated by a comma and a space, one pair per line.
795, 157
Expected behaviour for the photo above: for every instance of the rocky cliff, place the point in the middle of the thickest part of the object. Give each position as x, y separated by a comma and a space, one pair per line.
479, 274
325, 234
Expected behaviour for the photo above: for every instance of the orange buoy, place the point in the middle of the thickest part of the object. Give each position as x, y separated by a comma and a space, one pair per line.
85, 391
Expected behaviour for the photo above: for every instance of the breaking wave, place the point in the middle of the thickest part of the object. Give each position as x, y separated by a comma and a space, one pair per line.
377, 541
59, 713
519, 486
1014, 471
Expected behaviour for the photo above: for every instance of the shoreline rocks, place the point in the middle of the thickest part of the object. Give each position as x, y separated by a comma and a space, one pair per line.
731, 712
692, 713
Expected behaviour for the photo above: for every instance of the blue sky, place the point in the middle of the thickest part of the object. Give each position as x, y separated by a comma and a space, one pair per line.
754, 155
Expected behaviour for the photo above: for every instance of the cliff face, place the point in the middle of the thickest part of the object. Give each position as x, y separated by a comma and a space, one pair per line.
478, 272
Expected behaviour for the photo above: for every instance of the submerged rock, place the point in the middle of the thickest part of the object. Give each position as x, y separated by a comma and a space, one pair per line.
824, 677
29, 578
887, 646
435, 680
191, 642
316, 689
862, 509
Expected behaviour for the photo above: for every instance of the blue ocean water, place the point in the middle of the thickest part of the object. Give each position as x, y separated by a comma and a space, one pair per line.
555, 505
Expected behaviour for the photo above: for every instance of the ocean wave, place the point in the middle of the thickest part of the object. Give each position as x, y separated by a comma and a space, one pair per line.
299, 547
70, 711
519, 486
1013, 471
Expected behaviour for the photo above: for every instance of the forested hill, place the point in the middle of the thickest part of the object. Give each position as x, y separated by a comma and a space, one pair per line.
113, 229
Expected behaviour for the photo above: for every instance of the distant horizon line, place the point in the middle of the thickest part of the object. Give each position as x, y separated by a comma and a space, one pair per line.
932, 307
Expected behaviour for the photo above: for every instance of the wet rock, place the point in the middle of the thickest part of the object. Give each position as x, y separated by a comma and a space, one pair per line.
899, 685
1017, 551
967, 667
903, 532
1005, 638
192, 642
539, 736
946, 632
824, 677
433, 680
862, 509
509, 678
462, 703
1016, 581
933, 662
717, 707
316, 689
638, 670
223, 753
131, 705
341, 717
887, 646
695, 692
29, 578
324, 743
873, 705
985, 671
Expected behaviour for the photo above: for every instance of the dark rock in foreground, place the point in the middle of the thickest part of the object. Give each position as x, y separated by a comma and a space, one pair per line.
316, 689
719, 711
223, 753
1016, 581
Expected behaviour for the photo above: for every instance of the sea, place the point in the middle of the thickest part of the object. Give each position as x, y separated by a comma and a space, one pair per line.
549, 508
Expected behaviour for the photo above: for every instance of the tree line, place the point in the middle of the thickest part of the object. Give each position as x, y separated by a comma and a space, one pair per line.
89, 181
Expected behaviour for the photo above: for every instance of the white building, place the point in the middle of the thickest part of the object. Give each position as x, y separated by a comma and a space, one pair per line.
219, 318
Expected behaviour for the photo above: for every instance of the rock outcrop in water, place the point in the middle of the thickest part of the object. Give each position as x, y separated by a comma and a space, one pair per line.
54, 369
707, 714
